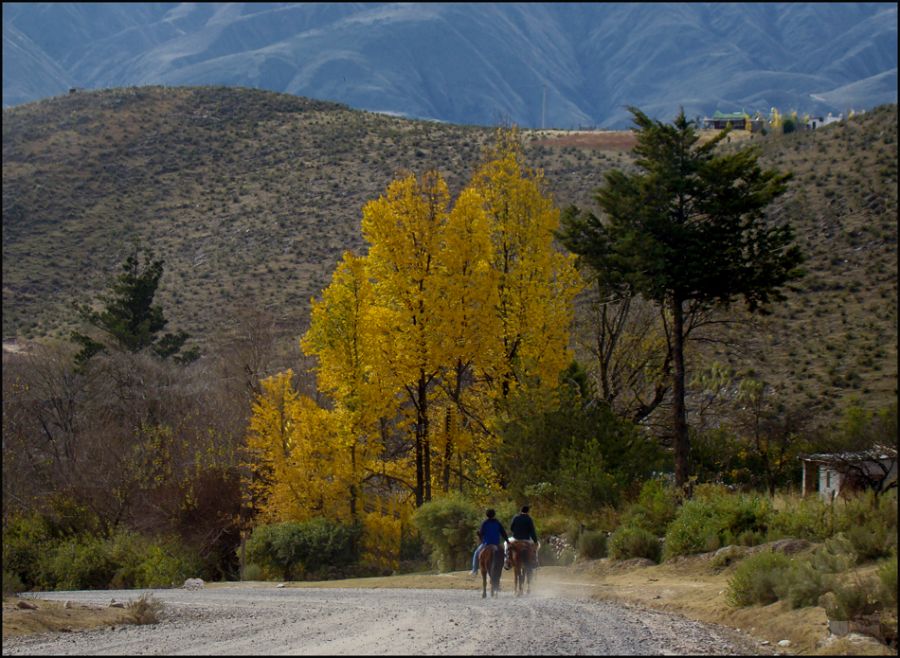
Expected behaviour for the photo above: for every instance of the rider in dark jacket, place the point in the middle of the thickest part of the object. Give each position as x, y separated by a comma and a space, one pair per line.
522, 528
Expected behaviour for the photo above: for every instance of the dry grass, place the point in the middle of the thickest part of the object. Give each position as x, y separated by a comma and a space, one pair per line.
54, 617
144, 610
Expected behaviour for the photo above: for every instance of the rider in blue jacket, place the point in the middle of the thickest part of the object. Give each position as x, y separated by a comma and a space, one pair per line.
489, 533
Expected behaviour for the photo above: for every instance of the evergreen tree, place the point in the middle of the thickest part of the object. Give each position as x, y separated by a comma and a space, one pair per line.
688, 232
129, 319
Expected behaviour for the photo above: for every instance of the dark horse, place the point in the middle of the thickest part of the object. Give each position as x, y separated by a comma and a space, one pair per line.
522, 558
491, 561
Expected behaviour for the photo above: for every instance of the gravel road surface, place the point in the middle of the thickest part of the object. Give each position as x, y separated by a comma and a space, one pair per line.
299, 621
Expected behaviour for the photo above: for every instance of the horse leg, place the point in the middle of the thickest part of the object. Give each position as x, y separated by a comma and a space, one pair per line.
483, 582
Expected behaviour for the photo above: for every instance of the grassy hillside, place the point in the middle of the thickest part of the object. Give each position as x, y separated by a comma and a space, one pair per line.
251, 196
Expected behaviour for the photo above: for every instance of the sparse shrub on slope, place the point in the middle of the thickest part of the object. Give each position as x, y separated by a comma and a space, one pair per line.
629, 542
592, 544
757, 578
715, 518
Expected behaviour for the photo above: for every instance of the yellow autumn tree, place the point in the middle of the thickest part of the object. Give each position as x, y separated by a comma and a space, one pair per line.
339, 336
296, 471
405, 229
467, 288
450, 310
536, 283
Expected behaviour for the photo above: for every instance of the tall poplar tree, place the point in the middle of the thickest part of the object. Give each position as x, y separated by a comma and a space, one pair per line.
688, 231
536, 283
405, 230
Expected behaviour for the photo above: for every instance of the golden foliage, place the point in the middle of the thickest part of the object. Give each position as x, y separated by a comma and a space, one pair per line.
453, 305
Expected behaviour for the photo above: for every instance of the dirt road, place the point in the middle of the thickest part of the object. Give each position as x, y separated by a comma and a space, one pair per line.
238, 620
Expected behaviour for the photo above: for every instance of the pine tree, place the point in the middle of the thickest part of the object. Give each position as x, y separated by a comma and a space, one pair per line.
130, 320
688, 232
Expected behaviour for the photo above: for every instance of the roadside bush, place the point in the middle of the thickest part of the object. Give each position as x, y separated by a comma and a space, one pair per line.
12, 584
142, 562
887, 576
807, 517
27, 540
592, 544
448, 525
655, 508
566, 556
802, 584
146, 609
295, 549
253, 571
835, 555
852, 600
870, 523
756, 579
630, 542
80, 563
715, 518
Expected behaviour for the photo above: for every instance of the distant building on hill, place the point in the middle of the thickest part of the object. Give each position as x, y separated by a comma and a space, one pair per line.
737, 121
818, 122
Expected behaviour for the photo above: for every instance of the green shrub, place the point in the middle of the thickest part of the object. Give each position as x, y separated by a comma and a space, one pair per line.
802, 584
296, 549
869, 521
715, 518
12, 584
165, 565
655, 508
807, 518
80, 563
756, 578
592, 544
630, 542
27, 540
144, 562
852, 600
887, 576
253, 571
835, 555
448, 525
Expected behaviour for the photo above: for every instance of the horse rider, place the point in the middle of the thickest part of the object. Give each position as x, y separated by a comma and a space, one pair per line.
522, 528
489, 533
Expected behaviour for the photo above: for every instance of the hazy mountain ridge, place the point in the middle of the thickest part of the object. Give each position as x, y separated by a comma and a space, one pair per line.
555, 64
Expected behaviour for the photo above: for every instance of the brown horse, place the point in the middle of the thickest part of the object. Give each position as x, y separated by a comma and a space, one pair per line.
522, 559
490, 566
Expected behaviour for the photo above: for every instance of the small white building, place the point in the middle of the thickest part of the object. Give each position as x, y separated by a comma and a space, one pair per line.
830, 474
818, 122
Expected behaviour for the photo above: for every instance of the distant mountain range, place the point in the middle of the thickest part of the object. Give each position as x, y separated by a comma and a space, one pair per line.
561, 65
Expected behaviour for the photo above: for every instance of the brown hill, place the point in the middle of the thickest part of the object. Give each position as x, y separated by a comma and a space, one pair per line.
251, 197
